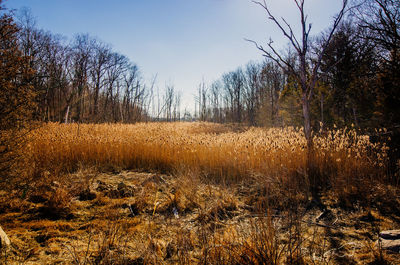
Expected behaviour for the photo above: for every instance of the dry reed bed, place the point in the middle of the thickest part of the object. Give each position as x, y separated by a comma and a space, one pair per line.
212, 150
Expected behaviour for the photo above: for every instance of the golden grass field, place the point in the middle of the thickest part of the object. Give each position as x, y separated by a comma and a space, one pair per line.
196, 193
214, 151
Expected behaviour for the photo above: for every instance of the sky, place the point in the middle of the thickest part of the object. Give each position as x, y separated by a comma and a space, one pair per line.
182, 42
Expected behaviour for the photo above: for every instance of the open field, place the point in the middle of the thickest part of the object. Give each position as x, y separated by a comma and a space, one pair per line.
197, 193
217, 152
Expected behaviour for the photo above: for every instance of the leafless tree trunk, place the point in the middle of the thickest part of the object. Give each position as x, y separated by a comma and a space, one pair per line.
168, 102
202, 101
81, 58
215, 102
251, 91
272, 82
100, 63
306, 73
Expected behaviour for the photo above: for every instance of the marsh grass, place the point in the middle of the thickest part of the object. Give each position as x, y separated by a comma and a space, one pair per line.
242, 194
343, 158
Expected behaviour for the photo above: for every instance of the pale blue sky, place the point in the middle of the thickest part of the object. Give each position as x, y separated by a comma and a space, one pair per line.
182, 41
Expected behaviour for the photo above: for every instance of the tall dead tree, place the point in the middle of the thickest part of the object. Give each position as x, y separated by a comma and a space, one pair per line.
305, 70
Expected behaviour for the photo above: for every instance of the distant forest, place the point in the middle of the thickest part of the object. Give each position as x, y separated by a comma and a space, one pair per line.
85, 80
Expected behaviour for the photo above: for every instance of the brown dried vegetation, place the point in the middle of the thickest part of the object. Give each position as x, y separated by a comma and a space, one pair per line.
217, 195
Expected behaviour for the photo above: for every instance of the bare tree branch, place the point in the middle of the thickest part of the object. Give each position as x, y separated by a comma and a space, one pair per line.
336, 23
277, 23
306, 79
276, 57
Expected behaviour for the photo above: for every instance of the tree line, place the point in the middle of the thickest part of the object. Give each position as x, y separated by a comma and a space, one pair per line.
85, 80
82, 80
357, 81
46, 77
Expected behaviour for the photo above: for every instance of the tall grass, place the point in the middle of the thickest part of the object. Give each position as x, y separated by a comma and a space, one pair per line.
215, 151
262, 220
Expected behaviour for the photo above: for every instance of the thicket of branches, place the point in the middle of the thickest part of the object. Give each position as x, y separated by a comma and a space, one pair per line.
17, 97
85, 80
82, 80
358, 81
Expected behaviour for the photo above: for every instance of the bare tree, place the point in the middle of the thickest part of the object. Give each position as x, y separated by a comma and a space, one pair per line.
305, 71
215, 99
234, 83
82, 51
202, 101
117, 66
229, 96
99, 61
238, 87
168, 101
252, 89
134, 95
380, 24
272, 82
381, 19
177, 107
